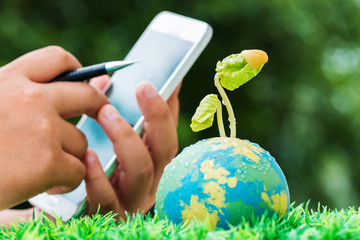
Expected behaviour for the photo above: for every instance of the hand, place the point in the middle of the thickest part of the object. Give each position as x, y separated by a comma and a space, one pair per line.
158, 146
141, 161
39, 150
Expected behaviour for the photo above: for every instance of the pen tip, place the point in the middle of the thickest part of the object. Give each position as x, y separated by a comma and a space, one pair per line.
116, 65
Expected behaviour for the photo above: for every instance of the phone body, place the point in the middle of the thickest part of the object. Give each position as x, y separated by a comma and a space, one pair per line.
166, 50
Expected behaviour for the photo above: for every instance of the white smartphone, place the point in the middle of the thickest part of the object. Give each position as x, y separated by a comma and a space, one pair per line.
166, 51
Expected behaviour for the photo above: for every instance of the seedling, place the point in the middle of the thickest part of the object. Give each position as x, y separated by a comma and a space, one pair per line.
232, 72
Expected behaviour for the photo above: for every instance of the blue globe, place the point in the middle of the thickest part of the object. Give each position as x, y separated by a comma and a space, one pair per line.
221, 181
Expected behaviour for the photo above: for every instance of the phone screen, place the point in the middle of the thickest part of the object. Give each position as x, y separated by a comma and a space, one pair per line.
158, 55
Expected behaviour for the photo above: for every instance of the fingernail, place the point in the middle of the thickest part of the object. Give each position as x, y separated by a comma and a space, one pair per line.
90, 158
110, 112
150, 91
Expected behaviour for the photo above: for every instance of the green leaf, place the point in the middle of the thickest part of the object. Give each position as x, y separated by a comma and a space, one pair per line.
234, 71
204, 115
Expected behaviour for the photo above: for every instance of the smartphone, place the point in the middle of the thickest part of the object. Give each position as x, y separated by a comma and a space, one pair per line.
165, 52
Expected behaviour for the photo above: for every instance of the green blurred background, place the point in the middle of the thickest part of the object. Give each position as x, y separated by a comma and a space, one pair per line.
304, 107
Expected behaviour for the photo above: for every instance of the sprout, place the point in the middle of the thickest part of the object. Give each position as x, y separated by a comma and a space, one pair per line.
232, 72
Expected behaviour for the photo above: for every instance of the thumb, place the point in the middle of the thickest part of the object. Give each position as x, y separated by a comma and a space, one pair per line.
100, 82
99, 190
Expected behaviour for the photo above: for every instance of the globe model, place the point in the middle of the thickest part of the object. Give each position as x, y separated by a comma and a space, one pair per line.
222, 181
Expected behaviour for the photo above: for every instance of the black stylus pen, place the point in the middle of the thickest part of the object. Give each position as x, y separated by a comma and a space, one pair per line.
88, 72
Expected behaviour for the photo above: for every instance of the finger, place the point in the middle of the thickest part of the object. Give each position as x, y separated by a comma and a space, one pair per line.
70, 172
73, 99
137, 167
159, 127
44, 64
98, 188
174, 104
73, 141
9, 216
100, 82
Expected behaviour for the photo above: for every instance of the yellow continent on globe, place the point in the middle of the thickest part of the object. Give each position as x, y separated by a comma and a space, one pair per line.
242, 147
216, 193
207, 167
197, 210
277, 202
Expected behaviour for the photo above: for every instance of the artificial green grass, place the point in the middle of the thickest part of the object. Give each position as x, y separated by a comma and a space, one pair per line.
299, 223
